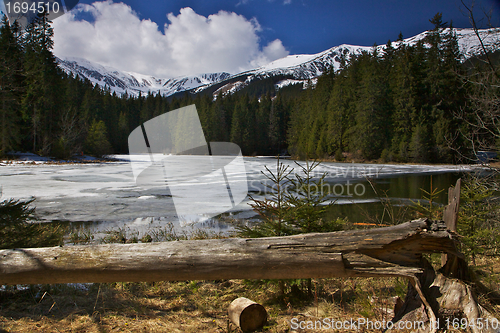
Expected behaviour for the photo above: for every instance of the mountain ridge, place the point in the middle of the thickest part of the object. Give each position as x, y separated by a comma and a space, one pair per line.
132, 83
294, 69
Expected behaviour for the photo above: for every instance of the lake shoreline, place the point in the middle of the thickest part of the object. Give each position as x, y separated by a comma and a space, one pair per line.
34, 159
107, 193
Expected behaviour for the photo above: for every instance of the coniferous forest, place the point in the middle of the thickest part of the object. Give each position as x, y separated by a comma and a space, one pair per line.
400, 105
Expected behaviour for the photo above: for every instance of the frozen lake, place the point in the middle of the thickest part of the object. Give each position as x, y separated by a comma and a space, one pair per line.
105, 195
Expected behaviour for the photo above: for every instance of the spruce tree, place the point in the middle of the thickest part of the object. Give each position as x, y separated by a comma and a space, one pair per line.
404, 100
372, 126
238, 124
262, 124
97, 143
42, 84
278, 125
336, 113
11, 87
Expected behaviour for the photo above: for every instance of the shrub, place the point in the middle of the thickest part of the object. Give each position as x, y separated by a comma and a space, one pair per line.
296, 205
478, 218
18, 230
275, 211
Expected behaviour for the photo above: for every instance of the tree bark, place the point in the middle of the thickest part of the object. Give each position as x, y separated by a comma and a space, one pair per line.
440, 303
391, 251
246, 314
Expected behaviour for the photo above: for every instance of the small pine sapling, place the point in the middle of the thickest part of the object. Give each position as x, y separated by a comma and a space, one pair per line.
275, 210
310, 201
429, 208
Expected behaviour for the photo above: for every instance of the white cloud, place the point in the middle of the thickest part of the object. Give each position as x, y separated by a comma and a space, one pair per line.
244, 2
189, 44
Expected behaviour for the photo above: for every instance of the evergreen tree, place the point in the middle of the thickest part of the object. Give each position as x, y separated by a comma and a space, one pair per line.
298, 128
243, 125
453, 98
278, 125
123, 132
97, 143
317, 146
11, 86
295, 129
371, 132
42, 84
404, 100
262, 124
419, 144
339, 114
17, 229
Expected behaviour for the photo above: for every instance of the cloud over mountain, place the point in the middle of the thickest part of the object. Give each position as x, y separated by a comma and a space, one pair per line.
190, 44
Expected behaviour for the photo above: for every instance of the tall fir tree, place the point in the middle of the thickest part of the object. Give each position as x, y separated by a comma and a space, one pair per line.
11, 86
42, 84
404, 100
372, 123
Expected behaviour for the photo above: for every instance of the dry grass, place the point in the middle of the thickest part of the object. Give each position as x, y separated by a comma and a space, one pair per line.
200, 306
193, 306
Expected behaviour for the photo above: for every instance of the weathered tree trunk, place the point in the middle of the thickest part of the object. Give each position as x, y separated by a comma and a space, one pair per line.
438, 302
391, 251
453, 266
443, 300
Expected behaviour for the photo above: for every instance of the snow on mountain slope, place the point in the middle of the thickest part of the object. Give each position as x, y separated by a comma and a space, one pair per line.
134, 83
469, 44
306, 67
296, 68
289, 61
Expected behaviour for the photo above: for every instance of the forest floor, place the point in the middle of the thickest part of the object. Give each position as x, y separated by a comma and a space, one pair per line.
201, 306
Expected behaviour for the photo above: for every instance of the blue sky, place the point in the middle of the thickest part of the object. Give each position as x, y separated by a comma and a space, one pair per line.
169, 38
312, 26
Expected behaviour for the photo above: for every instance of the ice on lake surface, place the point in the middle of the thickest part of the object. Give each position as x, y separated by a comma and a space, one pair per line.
106, 193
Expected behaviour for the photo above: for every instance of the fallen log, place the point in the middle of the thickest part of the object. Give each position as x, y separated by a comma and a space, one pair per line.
390, 251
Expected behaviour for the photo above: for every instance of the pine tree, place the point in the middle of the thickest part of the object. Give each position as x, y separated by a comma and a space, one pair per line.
11, 86
262, 124
339, 115
238, 125
419, 144
123, 133
97, 143
452, 97
42, 84
298, 128
243, 124
371, 132
278, 125
404, 100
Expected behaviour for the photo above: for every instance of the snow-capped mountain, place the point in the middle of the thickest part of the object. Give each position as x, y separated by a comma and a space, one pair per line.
295, 69
299, 69
134, 83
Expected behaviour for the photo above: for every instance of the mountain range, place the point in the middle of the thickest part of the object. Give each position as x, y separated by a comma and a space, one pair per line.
293, 69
